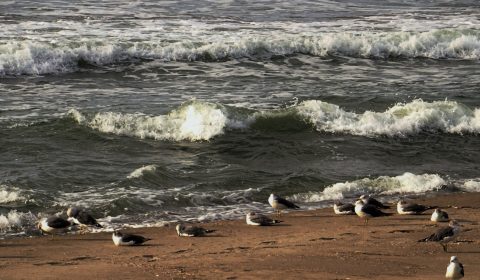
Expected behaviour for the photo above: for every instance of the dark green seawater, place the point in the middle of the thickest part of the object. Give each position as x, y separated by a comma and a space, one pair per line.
146, 113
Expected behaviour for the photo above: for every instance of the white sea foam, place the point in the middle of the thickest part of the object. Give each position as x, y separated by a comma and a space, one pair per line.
193, 121
407, 183
16, 221
32, 57
399, 120
8, 194
472, 185
137, 173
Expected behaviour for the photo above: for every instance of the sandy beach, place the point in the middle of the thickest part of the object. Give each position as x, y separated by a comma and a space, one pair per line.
308, 244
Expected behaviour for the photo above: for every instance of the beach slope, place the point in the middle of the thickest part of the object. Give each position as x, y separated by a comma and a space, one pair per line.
308, 244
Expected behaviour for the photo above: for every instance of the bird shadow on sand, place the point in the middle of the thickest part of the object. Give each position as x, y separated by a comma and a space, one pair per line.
306, 216
276, 225
91, 239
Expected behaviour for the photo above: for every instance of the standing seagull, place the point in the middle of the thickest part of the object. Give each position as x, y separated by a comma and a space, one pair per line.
444, 235
80, 217
367, 199
405, 208
343, 208
439, 216
124, 239
368, 211
257, 219
191, 231
53, 225
454, 269
279, 203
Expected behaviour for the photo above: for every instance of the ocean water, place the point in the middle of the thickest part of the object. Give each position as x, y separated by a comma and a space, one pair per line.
147, 112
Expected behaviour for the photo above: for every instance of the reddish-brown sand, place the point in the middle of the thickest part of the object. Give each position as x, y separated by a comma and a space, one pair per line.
307, 245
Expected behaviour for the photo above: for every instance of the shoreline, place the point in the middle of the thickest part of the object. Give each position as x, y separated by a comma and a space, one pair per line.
312, 244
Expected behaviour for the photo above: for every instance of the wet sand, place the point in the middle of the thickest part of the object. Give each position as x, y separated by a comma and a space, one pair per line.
308, 245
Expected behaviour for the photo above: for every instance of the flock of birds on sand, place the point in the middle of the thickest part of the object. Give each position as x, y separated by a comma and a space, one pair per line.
365, 207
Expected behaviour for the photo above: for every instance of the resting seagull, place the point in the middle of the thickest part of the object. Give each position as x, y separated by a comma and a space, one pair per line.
80, 217
257, 219
439, 216
368, 211
125, 239
279, 203
405, 208
53, 225
343, 208
454, 269
367, 199
191, 231
444, 235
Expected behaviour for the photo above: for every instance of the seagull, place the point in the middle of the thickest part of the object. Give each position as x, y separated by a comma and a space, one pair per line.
80, 217
191, 231
439, 216
343, 208
454, 269
124, 239
257, 219
279, 203
444, 235
367, 199
405, 208
368, 211
53, 225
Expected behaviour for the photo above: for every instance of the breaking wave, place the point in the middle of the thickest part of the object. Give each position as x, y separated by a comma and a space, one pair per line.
399, 120
16, 222
137, 173
28, 57
196, 121
407, 183
192, 121
10, 195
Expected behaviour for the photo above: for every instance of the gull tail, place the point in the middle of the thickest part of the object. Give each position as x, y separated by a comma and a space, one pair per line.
98, 225
426, 239
210, 230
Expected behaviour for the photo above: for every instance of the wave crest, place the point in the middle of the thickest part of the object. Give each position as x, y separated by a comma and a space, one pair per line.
192, 121
137, 173
383, 185
196, 121
399, 120
28, 57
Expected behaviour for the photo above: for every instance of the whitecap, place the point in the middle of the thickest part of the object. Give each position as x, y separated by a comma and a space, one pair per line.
137, 173
407, 183
400, 120
192, 121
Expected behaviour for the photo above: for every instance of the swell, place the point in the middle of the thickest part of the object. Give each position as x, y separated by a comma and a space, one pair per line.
28, 57
200, 121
